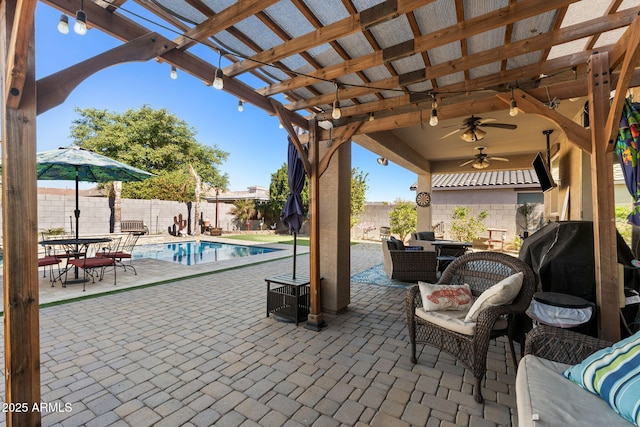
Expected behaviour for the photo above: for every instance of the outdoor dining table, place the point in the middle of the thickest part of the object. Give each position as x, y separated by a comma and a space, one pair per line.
79, 246
447, 251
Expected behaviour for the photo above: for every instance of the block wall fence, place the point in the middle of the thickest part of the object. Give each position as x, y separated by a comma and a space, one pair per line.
56, 211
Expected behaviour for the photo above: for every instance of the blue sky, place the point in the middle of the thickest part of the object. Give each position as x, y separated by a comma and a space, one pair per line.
256, 145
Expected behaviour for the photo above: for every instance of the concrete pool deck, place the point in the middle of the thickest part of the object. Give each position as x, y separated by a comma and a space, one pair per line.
200, 351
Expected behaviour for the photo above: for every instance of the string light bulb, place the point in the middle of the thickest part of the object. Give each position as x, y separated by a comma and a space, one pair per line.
336, 113
240, 106
513, 106
174, 73
63, 24
218, 82
80, 26
433, 120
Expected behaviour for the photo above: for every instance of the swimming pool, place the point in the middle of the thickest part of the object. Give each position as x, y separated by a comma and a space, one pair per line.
192, 252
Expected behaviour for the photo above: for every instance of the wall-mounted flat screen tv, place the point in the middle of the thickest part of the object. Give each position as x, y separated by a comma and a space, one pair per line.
543, 173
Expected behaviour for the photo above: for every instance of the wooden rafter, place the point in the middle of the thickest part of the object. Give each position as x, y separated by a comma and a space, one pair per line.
540, 42
490, 21
222, 20
325, 34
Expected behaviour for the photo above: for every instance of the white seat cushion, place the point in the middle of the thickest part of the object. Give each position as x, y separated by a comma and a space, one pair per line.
454, 321
546, 398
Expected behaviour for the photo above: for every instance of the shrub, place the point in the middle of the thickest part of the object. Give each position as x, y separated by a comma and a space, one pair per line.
403, 218
464, 227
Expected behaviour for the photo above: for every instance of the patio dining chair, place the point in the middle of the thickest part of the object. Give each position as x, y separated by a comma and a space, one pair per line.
94, 263
460, 333
124, 252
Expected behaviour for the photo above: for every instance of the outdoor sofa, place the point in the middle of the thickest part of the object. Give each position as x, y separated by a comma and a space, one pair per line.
545, 397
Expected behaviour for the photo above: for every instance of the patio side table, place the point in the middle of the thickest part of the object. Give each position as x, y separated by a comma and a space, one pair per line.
289, 298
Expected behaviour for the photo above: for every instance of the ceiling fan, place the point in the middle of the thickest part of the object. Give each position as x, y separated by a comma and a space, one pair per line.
471, 127
481, 160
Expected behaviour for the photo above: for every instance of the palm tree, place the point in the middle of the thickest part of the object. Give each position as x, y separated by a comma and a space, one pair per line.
243, 211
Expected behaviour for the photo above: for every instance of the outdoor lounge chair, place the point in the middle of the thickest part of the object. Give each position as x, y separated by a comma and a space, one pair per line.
449, 331
405, 263
124, 252
94, 262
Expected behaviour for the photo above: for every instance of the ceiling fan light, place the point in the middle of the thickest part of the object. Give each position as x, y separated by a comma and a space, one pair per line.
481, 164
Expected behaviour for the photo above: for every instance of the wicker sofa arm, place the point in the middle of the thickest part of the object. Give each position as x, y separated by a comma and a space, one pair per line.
561, 345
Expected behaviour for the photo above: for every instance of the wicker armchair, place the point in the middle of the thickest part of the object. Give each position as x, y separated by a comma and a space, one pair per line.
408, 265
562, 345
480, 270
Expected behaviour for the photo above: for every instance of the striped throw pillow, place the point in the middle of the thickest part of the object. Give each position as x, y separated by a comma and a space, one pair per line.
613, 373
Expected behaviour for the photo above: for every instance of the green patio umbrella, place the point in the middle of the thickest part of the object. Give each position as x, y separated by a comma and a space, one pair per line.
77, 164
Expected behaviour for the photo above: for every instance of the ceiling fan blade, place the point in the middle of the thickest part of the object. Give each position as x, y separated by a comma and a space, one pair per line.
499, 125
500, 159
468, 162
451, 133
483, 121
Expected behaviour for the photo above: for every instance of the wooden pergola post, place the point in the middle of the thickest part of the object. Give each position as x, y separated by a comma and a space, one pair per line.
604, 227
19, 212
315, 320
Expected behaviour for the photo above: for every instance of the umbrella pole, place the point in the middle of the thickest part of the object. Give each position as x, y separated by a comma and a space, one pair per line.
77, 214
77, 211
295, 238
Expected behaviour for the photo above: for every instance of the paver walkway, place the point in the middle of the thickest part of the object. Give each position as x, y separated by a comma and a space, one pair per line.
200, 352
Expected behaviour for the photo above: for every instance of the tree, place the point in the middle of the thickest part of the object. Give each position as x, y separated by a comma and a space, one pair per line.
464, 227
403, 218
155, 141
358, 191
279, 190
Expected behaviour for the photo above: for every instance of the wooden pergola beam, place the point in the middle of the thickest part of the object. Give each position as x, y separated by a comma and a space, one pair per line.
54, 89
528, 104
284, 116
17, 52
126, 30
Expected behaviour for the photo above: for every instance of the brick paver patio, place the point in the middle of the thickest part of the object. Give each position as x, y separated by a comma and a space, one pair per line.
200, 352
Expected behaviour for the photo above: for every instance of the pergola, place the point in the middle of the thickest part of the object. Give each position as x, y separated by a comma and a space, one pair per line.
387, 66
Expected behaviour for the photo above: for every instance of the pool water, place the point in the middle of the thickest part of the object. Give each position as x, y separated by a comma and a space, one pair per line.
191, 253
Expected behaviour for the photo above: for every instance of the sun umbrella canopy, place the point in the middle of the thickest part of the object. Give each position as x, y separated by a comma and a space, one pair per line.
292, 213
84, 165
77, 164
